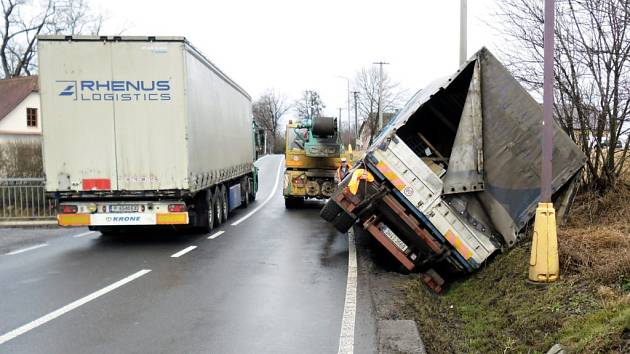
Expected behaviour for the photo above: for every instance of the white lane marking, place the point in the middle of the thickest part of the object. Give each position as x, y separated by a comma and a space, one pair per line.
84, 234
183, 252
22, 250
271, 195
215, 235
346, 337
82, 301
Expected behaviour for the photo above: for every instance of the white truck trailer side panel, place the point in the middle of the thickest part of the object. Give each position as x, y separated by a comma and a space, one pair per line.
78, 135
114, 111
219, 124
151, 150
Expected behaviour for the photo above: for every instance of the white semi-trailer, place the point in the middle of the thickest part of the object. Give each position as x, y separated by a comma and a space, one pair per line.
142, 131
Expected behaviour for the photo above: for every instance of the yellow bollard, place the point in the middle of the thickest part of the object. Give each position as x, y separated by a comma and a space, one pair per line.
544, 265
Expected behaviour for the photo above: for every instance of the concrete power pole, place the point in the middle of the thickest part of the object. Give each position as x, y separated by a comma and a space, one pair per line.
340, 125
265, 142
544, 265
348, 97
307, 98
380, 93
356, 119
463, 37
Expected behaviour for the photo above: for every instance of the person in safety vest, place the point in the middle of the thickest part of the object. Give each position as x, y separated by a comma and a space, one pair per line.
343, 170
359, 175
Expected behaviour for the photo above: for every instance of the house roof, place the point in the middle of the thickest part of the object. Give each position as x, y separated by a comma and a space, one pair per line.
13, 91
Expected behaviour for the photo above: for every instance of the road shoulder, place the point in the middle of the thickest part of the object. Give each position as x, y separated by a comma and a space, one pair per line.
381, 302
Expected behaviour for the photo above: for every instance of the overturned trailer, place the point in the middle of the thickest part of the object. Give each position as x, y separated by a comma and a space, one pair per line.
455, 176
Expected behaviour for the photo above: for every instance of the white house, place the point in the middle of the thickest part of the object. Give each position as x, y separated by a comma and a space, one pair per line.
20, 113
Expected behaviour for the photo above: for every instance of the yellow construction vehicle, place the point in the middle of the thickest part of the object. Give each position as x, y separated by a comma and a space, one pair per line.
313, 153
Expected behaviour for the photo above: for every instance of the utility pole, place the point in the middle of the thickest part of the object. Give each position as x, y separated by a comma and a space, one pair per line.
544, 263
307, 104
348, 96
340, 125
463, 26
356, 119
265, 143
380, 93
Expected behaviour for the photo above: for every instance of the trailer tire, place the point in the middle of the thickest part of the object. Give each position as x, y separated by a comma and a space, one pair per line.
343, 222
218, 210
246, 200
246, 185
330, 211
210, 213
252, 192
225, 209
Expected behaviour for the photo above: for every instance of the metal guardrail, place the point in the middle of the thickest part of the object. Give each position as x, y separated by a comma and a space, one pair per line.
25, 198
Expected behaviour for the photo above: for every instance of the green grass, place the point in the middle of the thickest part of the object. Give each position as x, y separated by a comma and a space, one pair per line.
497, 311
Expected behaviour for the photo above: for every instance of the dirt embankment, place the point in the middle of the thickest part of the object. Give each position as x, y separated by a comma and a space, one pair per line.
497, 311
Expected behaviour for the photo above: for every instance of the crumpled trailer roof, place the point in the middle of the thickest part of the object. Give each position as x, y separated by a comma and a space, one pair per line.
488, 129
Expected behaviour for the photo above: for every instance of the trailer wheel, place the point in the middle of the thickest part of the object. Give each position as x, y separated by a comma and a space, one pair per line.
246, 186
343, 222
330, 211
210, 213
252, 192
224, 204
218, 209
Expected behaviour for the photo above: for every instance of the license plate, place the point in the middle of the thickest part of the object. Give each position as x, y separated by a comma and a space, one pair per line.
124, 208
397, 241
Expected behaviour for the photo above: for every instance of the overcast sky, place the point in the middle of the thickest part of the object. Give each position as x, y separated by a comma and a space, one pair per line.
294, 45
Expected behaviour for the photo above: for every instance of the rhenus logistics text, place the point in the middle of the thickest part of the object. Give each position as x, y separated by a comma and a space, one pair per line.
117, 90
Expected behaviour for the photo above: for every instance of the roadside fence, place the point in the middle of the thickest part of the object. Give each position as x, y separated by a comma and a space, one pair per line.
25, 199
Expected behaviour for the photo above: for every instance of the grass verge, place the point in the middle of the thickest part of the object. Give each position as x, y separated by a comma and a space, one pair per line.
497, 311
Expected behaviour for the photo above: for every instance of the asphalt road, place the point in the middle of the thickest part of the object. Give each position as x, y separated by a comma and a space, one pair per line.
273, 283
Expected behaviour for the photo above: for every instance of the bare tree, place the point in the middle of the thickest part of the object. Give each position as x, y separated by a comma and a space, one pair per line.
23, 20
268, 111
367, 82
309, 105
592, 67
75, 17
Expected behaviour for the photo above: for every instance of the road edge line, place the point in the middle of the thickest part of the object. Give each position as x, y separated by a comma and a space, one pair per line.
271, 195
346, 336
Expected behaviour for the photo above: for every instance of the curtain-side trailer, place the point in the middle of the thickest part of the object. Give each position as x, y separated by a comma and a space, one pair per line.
142, 131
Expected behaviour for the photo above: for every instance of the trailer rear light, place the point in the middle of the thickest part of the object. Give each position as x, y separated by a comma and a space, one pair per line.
68, 209
176, 208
